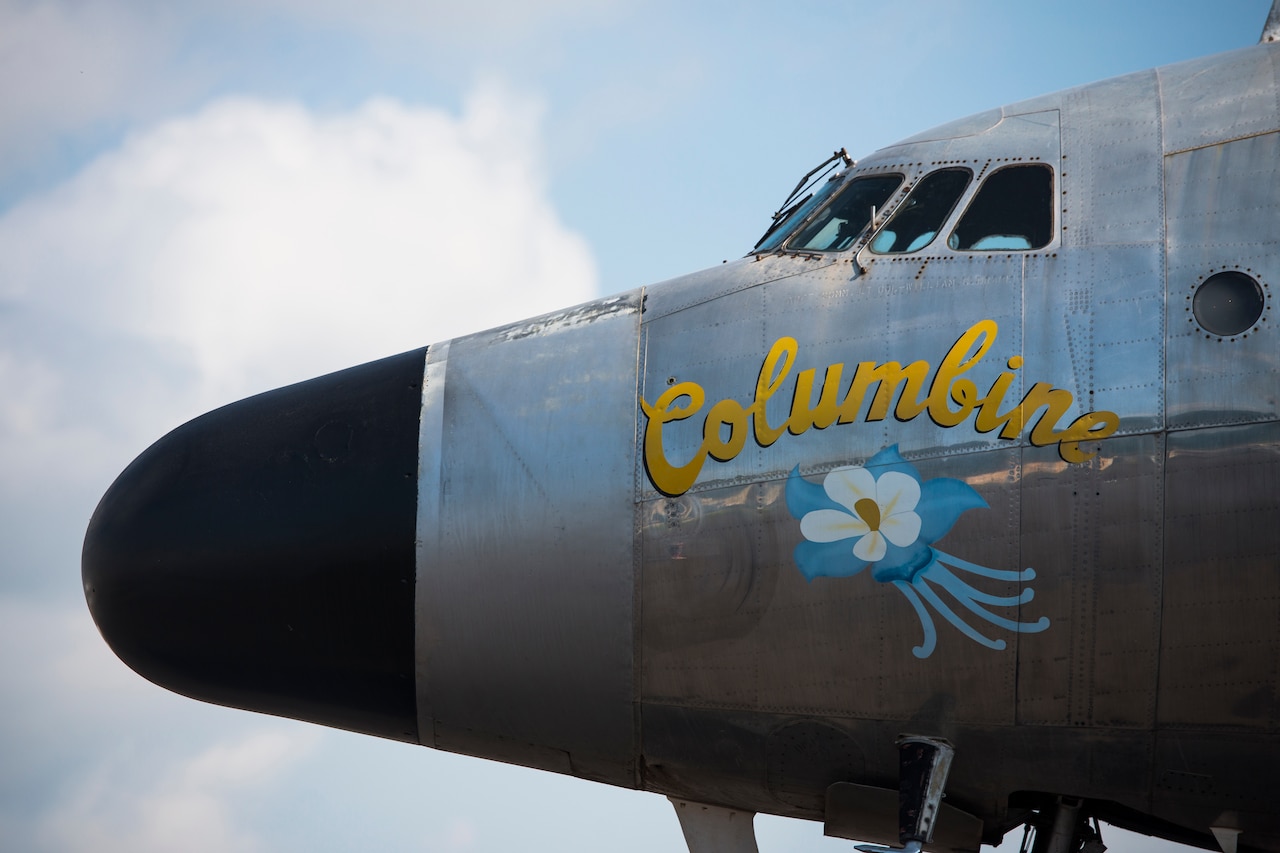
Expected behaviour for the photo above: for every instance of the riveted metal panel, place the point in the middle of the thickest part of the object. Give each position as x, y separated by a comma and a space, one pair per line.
730, 622
1111, 180
1019, 135
1223, 203
1094, 323
1219, 98
1092, 532
1211, 778
892, 314
526, 595
1222, 587
967, 126
696, 288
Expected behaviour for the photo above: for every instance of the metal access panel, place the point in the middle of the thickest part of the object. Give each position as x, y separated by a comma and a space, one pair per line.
1221, 596
526, 522
1111, 162
1094, 323
1221, 203
1094, 534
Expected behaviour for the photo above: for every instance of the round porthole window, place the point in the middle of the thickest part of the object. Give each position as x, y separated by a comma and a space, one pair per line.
1228, 303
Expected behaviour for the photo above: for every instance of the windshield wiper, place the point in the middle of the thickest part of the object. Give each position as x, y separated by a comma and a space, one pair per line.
804, 191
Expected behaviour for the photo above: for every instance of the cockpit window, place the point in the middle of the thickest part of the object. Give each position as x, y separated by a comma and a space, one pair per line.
1012, 211
918, 219
838, 225
779, 232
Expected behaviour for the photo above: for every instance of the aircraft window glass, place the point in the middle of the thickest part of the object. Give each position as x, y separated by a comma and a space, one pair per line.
841, 222
1012, 211
779, 233
917, 221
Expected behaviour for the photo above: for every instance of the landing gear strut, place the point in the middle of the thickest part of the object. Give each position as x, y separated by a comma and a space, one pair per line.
923, 765
1065, 827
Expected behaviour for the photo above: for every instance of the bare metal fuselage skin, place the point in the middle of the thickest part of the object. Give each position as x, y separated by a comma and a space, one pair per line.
615, 577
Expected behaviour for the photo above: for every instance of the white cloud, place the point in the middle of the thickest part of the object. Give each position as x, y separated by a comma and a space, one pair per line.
462, 835
250, 761
189, 806
254, 244
73, 73
479, 24
65, 66
51, 660
96, 758
212, 256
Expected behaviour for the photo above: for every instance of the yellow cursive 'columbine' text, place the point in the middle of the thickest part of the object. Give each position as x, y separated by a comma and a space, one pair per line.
944, 394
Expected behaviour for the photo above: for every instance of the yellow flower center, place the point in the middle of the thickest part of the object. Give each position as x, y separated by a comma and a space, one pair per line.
869, 511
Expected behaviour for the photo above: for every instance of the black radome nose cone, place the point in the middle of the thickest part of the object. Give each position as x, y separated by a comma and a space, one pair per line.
262, 556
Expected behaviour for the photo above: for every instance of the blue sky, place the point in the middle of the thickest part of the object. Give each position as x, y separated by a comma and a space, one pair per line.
200, 201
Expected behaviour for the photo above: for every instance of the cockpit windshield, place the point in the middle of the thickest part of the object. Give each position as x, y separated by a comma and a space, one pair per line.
839, 224
773, 239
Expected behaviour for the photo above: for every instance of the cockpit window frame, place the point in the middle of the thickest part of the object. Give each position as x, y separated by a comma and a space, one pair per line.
910, 176
937, 248
960, 200
791, 229
976, 197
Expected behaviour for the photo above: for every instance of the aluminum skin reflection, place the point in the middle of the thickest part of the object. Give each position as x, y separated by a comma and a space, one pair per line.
924, 390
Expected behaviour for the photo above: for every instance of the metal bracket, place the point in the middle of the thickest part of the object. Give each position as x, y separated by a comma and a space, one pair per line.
1227, 837
716, 829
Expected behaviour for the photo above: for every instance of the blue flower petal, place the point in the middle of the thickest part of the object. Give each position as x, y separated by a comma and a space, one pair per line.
827, 559
890, 459
804, 497
942, 501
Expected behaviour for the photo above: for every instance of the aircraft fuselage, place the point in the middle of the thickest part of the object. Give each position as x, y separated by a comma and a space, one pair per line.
1000, 467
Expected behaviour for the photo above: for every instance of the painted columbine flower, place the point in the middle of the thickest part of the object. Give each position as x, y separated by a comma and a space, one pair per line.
884, 515
873, 511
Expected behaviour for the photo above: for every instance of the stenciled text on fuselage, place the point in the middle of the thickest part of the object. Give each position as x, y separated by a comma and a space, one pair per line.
924, 390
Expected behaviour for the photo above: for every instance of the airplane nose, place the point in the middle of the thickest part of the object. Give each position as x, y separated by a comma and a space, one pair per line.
262, 556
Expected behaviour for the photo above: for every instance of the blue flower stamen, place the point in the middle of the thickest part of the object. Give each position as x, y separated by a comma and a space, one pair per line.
956, 587
960, 589
926, 621
947, 613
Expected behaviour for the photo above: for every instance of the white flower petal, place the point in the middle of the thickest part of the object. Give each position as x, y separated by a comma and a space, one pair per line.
847, 486
901, 528
897, 492
831, 525
870, 547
